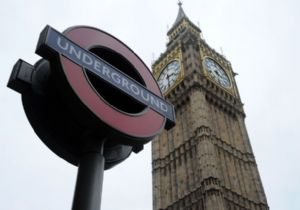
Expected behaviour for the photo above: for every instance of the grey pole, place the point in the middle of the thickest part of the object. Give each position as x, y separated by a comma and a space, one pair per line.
89, 182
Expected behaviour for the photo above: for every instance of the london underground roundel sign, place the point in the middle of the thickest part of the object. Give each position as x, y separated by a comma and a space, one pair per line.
92, 101
110, 80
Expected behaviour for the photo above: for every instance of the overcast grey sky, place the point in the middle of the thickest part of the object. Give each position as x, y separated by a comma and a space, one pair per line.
259, 37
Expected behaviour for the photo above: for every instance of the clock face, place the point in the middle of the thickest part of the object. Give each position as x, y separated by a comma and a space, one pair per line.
217, 72
169, 75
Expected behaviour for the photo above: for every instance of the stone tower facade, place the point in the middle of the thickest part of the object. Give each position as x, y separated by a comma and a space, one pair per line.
206, 161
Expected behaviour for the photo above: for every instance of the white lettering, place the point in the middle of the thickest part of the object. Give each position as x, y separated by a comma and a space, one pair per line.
143, 96
87, 59
125, 83
116, 77
134, 89
106, 71
111, 75
97, 66
163, 107
72, 50
154, 101
60, 45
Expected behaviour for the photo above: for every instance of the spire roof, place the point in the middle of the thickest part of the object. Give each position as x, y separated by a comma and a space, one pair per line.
180, 17
180, 14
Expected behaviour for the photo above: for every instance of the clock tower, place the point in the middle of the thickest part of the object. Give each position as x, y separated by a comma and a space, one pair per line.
206, 161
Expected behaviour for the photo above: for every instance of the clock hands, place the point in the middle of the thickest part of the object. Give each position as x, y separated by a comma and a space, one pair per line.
217, 72
168, 78
169, 75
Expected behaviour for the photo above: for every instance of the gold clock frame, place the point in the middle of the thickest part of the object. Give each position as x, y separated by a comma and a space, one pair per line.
179, 77
206, 73
175, 54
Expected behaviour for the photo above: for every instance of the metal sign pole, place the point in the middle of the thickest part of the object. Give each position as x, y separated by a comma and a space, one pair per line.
89, 182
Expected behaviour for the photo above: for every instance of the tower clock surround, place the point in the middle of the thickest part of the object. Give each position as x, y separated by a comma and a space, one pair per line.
216, 72
169, 75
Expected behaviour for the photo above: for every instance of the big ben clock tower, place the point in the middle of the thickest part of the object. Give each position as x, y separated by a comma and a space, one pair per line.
206, 161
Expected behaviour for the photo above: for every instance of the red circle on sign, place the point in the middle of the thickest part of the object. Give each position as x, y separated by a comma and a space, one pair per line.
144, 125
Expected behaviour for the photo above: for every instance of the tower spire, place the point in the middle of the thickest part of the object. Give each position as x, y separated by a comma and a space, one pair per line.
180, 14
179, 3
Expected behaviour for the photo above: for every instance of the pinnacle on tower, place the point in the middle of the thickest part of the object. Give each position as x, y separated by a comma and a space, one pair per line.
180, 14
181, 17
